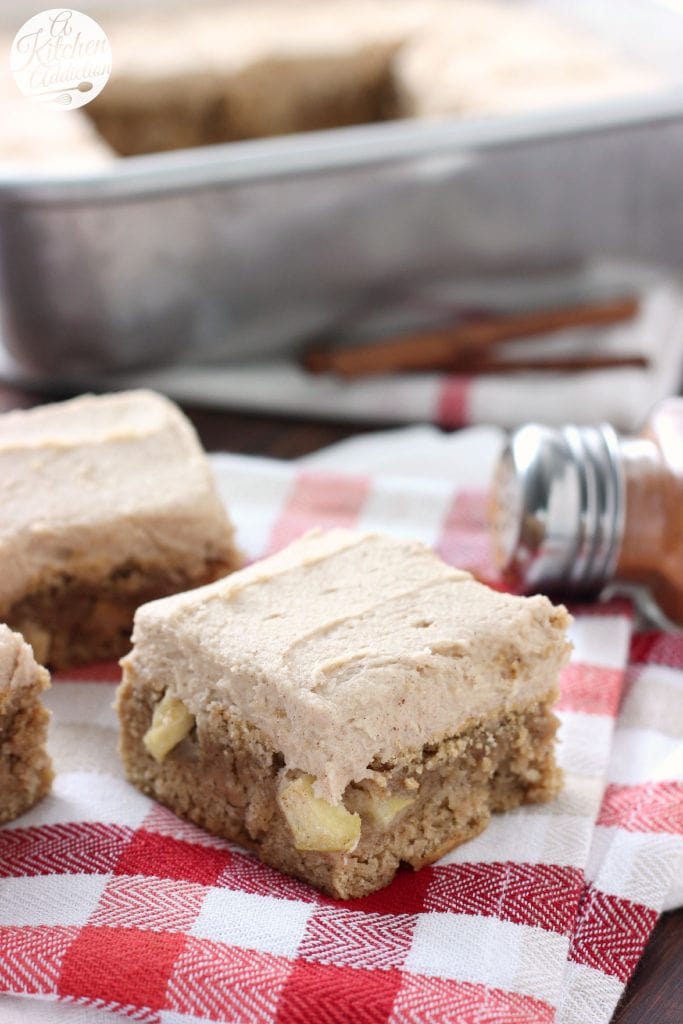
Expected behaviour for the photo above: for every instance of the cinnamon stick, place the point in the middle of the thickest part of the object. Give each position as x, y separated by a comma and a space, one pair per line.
442, 348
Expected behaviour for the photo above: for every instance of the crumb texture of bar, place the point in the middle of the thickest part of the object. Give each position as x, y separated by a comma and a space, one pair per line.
246, 71
347, 704
25, 766
107, 502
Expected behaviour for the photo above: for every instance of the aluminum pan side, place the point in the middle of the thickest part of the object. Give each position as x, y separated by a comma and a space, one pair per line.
219, 262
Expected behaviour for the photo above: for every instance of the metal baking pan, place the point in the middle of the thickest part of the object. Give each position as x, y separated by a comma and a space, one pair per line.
249, 249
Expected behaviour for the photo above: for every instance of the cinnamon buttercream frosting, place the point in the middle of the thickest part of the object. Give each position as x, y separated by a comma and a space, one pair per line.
100, 481
350, 648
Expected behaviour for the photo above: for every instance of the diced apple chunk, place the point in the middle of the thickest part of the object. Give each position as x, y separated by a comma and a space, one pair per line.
39, 639
317, 824
171, 723
381, 808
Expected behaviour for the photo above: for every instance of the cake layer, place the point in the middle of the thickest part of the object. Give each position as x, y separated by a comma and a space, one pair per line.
70, 622
25, 767
348, 649
226, 776
246, 70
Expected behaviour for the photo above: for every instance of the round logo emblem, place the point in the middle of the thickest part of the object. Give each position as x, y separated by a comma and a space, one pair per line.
61, 59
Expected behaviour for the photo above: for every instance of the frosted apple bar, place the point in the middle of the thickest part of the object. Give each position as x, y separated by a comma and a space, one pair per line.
347, 704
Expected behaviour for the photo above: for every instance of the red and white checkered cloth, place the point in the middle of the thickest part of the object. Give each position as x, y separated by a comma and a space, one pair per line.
110, 906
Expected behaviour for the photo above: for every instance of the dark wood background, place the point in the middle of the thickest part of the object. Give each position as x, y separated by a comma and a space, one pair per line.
655, 993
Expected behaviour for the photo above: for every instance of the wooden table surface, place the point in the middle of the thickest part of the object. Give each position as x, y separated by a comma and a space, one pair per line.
655, 994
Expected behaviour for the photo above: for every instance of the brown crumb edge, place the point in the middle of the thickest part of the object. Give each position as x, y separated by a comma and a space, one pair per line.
270, 96
71, 621
25, 767
224, 777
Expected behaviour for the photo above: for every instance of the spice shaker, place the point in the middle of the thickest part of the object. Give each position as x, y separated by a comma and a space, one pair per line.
575, 508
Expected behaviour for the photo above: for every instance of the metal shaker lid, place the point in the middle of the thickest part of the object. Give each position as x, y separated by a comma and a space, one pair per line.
558, 507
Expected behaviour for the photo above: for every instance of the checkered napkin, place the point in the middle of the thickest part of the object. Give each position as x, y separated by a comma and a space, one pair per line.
110, 906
